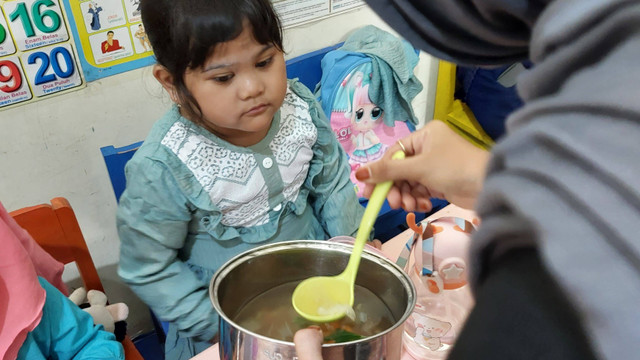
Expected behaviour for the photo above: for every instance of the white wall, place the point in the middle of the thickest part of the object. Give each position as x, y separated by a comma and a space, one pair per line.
51, 147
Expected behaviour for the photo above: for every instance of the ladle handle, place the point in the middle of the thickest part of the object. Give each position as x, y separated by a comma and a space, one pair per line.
368, 219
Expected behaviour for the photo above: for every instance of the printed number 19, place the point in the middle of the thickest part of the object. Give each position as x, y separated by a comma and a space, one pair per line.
41, 76
38, 17
14, 74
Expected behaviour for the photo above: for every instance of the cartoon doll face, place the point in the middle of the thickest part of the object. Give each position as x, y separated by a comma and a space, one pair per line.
366, 115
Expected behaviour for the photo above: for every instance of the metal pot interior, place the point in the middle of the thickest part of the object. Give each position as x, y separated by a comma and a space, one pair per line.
254, 272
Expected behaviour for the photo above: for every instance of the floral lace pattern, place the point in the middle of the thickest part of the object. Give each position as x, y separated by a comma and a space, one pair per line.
233, 179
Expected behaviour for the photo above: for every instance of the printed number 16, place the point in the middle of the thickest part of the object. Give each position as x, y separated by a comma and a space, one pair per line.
38, 17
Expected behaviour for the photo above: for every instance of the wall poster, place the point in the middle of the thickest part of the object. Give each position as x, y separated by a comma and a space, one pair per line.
110, 36
37, 58
52, 46
297, 12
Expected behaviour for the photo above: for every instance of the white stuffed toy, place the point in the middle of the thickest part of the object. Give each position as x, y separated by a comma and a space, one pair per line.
110, 316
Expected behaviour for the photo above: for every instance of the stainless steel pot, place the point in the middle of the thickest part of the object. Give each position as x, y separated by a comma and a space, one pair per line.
252, 273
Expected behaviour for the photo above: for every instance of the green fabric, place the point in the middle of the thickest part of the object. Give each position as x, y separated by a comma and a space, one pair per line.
393, 84
67, 332
172, 237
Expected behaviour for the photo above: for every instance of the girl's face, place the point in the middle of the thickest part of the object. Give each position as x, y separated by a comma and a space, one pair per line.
239, 88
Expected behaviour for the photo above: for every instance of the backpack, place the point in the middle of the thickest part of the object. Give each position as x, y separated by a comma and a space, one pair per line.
366, 91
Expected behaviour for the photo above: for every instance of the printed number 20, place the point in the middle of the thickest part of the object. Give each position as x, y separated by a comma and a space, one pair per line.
52, 58
38, 17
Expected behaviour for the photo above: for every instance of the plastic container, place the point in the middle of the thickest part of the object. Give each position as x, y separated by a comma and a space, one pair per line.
436, 261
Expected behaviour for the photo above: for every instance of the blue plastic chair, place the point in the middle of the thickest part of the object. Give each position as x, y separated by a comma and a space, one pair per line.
307, 67
116, 159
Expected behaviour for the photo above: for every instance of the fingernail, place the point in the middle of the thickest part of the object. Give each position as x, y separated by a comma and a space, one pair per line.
315, 327
363, 173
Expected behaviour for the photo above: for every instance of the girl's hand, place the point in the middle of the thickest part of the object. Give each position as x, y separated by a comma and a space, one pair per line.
439, 163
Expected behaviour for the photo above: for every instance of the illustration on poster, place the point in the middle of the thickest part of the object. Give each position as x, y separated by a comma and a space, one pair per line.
144, 39
94, 10
136, 12
110, 44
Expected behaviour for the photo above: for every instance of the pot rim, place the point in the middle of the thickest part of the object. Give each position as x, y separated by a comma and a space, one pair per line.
234, 262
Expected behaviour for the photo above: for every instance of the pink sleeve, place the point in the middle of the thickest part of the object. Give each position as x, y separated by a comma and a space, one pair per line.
46, 266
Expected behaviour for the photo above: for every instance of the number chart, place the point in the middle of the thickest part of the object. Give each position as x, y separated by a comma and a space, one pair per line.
109, 35
36, 56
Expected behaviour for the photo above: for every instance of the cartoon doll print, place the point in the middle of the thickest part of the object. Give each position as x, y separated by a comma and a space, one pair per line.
94, 10
429, 331
110, 44
365, 117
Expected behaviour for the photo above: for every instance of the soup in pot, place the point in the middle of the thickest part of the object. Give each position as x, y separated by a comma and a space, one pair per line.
271, 314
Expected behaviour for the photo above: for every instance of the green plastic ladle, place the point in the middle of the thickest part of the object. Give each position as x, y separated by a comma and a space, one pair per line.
328, 298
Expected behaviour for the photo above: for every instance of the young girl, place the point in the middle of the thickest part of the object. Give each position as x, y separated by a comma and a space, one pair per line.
244, 158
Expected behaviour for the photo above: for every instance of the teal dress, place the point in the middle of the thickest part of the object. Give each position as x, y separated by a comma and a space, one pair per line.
193, 201
66, 332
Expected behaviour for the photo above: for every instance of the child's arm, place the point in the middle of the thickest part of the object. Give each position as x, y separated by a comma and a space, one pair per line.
333, 195
67, 332
153, 218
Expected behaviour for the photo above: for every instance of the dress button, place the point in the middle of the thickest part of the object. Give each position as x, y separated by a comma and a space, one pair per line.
277, 207
267, 163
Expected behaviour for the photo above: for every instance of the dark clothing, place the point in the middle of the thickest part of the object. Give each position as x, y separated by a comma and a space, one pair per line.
521, 314
471, 32
565, 178
490, 101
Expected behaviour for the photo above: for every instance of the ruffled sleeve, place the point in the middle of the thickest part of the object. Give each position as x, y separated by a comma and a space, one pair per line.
153, 218
331, 193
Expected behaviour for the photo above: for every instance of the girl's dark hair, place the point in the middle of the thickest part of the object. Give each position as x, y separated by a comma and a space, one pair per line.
183, 33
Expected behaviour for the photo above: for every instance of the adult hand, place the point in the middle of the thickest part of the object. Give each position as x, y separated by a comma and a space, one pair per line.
309, 343
439, 163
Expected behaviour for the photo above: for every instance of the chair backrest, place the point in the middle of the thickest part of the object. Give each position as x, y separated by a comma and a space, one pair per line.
115, 159
55, 227
307, 67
